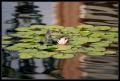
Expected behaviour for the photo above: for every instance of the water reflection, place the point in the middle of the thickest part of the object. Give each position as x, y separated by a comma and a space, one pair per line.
104, 67
22, 17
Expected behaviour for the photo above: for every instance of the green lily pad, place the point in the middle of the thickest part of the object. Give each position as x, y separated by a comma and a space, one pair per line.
6, 42
100, 44
97, 34
29, 51
110, 52
52, 47
13, 48
92, 39
94, 49
102, 28
68, 51
115, 40
23, 29
84, 33
26, 40
85, 27
80, 39
5, 37
4, 46
114, 29
96, 53
63, 56
41, 47
85, 38
76, 43
56, 34
37, 26
25, 56
22, 45
63, 47
43, 54
81, 50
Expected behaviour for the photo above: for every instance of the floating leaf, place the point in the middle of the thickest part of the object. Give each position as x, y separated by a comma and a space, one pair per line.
81, 50
13, 48
115, 40
94, 49
27, 40
29, 51
25, 56
110, 52
100, 44
85, 27
97, 34
52, 47
96, 53
84, 38
84, 33
4, 46
6, 42
102, 28
23, 29
109, 36
68, 51
43, 54
37, 26
114, 29
92, 39
5, 37
23, 45
40, 46
63, 47
63, 56
56, 34
81, 40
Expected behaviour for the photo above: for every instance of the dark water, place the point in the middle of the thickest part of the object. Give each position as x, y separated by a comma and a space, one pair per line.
102, 67
102, 13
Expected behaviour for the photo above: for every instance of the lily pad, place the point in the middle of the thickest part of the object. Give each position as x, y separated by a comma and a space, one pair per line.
97, 34
52, 47
114, 29
84, 33
41, 46
96, 53
5, 37
68, 51
81, 39
110, 52
13, 48
63, 56
85, 27
63, 47
37, 26
23, 29
25, 56
85, 38
29, 51
100, 44
43, 54
102, 28
92, 39
27, 40
6, 42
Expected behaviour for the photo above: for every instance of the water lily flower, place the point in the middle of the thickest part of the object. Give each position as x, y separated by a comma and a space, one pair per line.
62, 41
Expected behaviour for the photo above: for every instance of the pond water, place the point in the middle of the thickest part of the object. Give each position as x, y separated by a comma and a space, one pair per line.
102, 67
